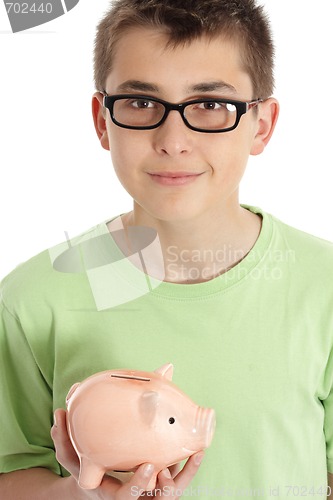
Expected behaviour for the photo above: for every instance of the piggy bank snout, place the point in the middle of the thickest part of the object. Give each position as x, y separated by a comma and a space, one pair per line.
205, 424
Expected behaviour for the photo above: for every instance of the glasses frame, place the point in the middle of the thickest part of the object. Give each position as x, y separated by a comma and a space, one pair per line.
242, 107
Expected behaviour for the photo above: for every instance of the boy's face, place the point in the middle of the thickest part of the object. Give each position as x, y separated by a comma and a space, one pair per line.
143, 65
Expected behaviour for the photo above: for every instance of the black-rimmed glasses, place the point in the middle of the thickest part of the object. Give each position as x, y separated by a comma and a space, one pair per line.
141, 112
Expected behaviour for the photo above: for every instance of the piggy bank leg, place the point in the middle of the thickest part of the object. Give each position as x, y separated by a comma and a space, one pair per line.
91, 474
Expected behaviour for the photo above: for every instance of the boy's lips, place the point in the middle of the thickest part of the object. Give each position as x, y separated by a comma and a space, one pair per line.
178, 178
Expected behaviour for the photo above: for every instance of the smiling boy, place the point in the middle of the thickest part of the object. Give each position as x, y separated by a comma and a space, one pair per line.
241, 303
184, 183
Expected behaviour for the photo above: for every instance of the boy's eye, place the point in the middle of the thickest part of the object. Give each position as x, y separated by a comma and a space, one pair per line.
142, 104
217, 106
211, 105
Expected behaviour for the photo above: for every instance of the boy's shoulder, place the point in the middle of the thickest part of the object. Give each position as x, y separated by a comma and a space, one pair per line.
310, 252
292, 236
301, 238
307, 257
41, 275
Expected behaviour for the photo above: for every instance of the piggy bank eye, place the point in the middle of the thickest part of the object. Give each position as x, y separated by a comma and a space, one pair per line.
172, 420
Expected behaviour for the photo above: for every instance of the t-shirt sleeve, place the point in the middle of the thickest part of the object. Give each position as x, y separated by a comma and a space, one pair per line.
26, 414
328, 419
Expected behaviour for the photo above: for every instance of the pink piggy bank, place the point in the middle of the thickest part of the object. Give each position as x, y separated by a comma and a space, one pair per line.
119, 419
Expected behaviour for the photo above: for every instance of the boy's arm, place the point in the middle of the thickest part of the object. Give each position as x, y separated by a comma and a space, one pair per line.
330, 485
38, 483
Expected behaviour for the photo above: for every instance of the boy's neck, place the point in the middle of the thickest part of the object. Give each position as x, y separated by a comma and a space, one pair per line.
195, 251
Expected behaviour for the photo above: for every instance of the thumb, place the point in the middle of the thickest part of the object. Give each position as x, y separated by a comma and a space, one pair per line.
65, 453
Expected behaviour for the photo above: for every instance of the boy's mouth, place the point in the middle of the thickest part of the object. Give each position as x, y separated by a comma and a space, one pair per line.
174, 178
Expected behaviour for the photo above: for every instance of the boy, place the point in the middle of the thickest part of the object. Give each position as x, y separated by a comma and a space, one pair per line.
241, 303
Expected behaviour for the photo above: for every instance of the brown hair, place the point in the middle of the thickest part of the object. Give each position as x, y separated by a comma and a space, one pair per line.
185, 20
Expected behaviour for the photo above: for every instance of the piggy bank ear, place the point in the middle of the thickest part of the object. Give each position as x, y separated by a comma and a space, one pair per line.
166, 371
148, 406
71, 392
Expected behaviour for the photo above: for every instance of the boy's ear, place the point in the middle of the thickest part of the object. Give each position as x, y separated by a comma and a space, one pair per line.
268, 112
99, 115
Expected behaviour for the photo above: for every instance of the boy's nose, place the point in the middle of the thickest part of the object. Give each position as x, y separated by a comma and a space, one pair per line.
173, 137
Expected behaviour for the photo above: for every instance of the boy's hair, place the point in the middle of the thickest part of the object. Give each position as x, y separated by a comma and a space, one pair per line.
241, 21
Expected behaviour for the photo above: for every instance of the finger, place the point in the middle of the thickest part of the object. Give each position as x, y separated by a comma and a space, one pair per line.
59, 417
65, 453
174, 469
138, 483
166, 485
185, 476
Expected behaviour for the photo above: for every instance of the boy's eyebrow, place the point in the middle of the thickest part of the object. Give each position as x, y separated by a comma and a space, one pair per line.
138, 86
212, 87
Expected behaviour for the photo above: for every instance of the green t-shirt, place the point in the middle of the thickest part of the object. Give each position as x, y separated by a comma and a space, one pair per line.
255, 344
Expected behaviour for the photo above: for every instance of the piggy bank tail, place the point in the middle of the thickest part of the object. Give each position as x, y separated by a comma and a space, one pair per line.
91, 475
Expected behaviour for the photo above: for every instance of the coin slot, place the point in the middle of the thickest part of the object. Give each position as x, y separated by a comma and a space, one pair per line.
131, 377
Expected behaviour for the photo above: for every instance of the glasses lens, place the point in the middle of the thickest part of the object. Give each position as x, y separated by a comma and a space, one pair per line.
136, 112
211, 115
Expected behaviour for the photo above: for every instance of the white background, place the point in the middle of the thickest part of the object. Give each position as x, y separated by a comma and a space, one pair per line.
55, 177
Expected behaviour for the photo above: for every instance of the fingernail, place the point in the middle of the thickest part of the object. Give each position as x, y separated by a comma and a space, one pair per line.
166, 473
148, 470
198, 458
55, 420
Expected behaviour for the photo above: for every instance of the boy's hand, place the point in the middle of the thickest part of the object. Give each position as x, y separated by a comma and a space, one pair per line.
171, 482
